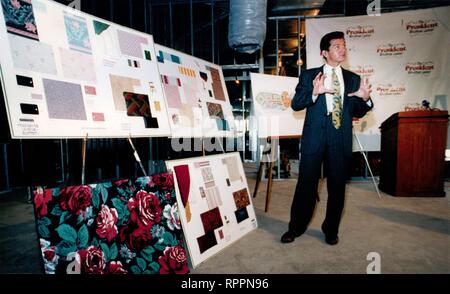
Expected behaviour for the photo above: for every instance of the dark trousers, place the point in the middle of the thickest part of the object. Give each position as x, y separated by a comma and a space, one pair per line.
332, 154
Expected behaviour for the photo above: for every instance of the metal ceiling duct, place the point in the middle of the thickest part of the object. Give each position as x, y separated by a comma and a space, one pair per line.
247, 25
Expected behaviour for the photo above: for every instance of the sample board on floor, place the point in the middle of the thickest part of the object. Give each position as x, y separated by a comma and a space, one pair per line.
272, 96
68, 74
214, 203
196, 95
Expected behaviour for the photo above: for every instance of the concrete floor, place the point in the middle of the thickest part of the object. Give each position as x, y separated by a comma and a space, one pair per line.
411, 235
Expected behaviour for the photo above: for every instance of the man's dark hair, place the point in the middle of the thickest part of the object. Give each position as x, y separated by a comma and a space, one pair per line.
325, 41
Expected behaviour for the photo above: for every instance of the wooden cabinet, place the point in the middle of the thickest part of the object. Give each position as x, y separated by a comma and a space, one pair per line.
413, 153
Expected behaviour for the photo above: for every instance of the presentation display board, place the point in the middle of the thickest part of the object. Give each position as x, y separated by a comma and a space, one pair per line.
67, 74
214, 203
405, 56
272, 96
196, 95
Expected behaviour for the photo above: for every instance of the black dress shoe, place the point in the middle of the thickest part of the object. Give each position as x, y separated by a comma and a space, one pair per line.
331, 240
289, 237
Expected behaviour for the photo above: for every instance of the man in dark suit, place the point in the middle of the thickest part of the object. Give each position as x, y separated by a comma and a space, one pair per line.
332, 96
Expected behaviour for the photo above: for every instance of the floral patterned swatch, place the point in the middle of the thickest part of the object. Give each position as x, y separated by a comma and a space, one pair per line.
111, 228
19, 18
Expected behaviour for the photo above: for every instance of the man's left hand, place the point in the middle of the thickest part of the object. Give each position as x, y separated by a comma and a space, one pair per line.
364, 90
285, 99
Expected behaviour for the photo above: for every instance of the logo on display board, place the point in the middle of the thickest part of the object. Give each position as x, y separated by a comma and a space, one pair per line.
423, 68
363, 70
390, 90
391, 49
421, 26
360, 31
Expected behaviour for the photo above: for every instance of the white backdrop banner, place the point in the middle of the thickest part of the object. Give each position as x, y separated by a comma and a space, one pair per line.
405, 55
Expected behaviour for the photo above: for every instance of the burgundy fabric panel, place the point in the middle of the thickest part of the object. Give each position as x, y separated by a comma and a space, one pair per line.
184, 181
206, 241
211, 219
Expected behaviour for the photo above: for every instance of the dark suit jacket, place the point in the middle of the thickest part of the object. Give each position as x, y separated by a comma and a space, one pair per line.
314, 126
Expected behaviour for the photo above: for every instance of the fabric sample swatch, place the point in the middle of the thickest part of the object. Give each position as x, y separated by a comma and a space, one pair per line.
207, 174
99, 27
133, 63
78, 66
241, 214
206, 241
130, 44
98, 116
186, 71
216, 84
37, 96
64, 100
175, 59
204, 76
232, 167
106, 44
172, 96
138, 105
222, 124
166, 56
119, 85
211, 220
147, 54
160, 57
213, 197
77, 33
24, 81
19, 18
157, 105
215, 110
241, 198
24, 52
29, 108
184, 181
202, 192
170, 80
199, 164
119, 227
188, 212
190, 93
90, 90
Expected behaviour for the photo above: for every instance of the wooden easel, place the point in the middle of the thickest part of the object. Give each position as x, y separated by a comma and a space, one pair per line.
268, 155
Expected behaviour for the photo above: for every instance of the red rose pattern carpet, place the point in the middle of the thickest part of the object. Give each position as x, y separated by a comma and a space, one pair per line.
121, 227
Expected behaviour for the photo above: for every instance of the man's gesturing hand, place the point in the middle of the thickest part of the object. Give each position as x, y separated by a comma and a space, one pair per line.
319, 86
364, 90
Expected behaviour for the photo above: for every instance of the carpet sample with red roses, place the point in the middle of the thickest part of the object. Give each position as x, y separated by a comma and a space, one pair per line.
120, 227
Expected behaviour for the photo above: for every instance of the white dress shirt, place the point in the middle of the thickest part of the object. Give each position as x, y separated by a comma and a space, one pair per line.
328, 71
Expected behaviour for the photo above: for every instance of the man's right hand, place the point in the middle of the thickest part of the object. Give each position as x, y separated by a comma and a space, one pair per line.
319, 85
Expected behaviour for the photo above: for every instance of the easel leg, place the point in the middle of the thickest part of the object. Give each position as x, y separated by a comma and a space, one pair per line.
258, 178
368, 165
269, 187
371, 174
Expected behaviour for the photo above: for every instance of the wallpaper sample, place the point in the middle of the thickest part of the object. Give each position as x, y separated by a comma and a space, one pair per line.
64, 100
